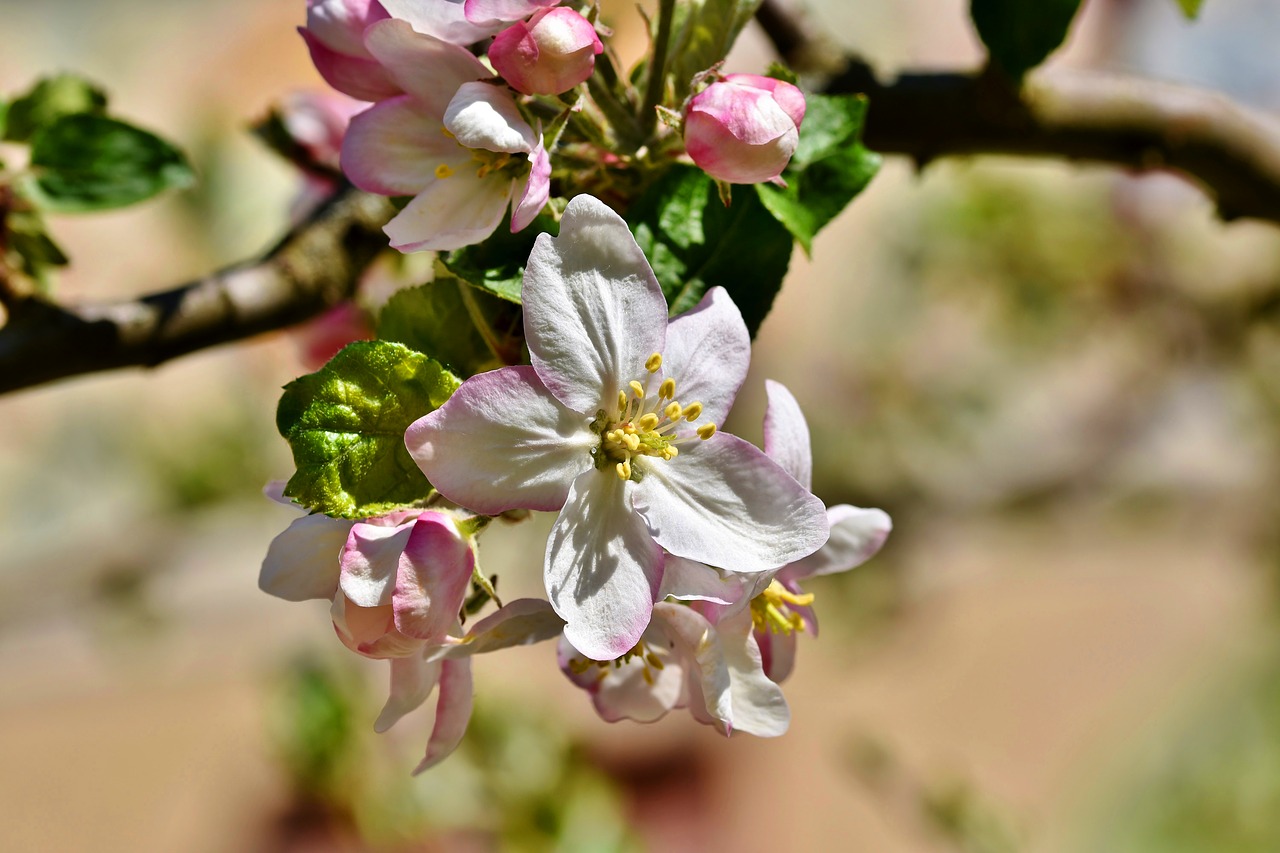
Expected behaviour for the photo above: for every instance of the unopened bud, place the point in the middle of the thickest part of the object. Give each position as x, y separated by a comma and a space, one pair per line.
744, 129
550, 53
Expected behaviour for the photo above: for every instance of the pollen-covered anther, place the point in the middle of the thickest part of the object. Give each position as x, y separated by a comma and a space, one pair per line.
706, 431
654, 363
673, 410
771, 610
444, 170
637, 389
624, 470
692, 412
648, 423
667, 390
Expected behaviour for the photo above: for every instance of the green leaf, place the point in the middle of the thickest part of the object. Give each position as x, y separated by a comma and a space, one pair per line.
37, 253
49, 100
694, 243
1191, 8
1019, 34
346, 423
466, 329
89, 162
830, 167
701, 34
497, 264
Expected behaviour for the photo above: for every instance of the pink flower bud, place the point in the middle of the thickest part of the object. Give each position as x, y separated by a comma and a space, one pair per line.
551, 53
334, 34
744, 129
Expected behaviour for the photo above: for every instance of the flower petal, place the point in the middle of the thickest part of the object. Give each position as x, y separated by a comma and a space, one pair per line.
856, 535
451, 213
623, 692
395, 147
786, 434
724, 503
777, 654
519, 623
444, 19
432, 579
371, 631
686, 580
533, 190
481, 115
370, 559
603, 570
502, 442
758, 705
593, 311
363, 79
339, 23
491, 12
412, 680
707, 352
425, 66
302, 561
453, 712
706, 675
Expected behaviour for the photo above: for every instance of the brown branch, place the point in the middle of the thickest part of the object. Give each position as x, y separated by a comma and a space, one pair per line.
313, 268
1232, 152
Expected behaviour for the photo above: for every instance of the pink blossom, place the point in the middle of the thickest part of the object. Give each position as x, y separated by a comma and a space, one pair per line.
551, 53
744, 129
334, 35
594, 429
458, 146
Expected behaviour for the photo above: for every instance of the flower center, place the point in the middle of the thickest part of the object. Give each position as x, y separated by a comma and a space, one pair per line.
771, 610
639, 652
645, 425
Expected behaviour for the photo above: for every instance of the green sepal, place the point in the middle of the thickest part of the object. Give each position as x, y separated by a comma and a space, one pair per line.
828, 170
466, 329
90, 162
1191, 8
694, 242
346, 424
48, 100
1020, 34
497, 264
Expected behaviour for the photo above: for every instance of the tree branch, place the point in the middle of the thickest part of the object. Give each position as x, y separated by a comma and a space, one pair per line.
1232, 152
313, 268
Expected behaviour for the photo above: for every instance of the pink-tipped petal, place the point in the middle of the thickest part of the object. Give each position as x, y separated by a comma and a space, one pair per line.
707, 354
453, 712
603, 570
443, 19
371, 631
724, 503
593, 311
518, 623
502, 442
481, 115
624, 693
433, 577
777, 654
856, 535
339, 24
412, 680
428, 68
361, 78
532, 191
395, 148
302, 561
451, 213
491, 12
370, 559
786, 95
786, 434
706, 675
549, 54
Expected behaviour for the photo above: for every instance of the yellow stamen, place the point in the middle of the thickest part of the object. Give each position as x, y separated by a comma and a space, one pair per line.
654, 661
670, 453
667, 390
654, 363
648, 423
624, 469
692, 412
637, 389
622, 402
444, 171
673, 410
706, 431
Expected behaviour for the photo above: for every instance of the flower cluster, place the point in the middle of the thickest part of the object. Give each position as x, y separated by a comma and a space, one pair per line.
673, 566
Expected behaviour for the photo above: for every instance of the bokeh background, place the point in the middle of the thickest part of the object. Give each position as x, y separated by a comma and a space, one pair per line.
1062, 381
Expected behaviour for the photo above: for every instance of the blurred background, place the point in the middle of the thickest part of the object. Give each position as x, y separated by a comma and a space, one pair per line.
1062, 381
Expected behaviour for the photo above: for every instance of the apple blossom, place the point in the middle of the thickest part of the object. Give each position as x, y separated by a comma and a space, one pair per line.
744, 128
459, 147
334, 36
594, 428
550, 53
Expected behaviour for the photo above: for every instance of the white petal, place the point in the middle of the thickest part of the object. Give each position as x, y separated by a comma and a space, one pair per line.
412, 680
481, 115
453, 712
687, 580
444, 19
302, 561
759, 708
593, 311
707, 353
451, 213
427, 68
501, 442
623, 692
602, 569
706, 675
786, 434
394, 148
724, 503
856, 535
519, 623
370, 559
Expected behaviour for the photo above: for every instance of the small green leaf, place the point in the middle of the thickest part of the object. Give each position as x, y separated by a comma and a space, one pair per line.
49, 100
89, 162
466, 329
694, 243
1019, 34
497, 264
701, 35
346, 423
1191, 8
830, 167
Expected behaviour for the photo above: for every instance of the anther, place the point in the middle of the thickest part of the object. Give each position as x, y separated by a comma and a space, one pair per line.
637, 389
648, 422
673, 410
654, 363
622, 401
706, 431
444, 171
667, 390
624, 470
692, 412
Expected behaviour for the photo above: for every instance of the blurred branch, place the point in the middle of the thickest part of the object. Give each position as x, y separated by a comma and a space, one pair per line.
1233, 152
313, 268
